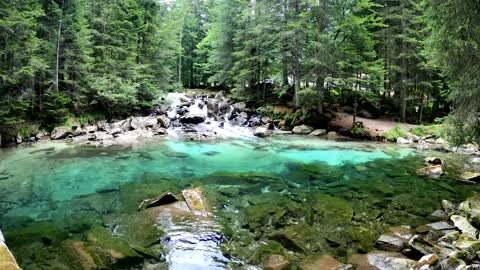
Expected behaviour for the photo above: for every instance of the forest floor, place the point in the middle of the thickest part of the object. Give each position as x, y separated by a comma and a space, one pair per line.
377, 127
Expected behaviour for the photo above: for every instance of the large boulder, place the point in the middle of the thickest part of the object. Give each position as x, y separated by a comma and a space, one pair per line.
192, 119
276, 262
143, 122
59, 133
332, 135
7, 261
240, 106
261, 132
303, 129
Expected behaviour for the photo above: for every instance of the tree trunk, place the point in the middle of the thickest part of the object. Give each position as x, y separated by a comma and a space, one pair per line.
296, 60
403, 89
59, 36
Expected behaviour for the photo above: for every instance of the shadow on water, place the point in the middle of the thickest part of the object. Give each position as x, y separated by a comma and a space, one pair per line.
78, 208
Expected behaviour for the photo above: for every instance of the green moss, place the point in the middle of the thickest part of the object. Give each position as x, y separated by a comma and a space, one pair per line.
395, 133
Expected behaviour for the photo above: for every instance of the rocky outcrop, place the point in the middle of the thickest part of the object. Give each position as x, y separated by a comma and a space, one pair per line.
143, 122
470, 176
441, 245
59, 133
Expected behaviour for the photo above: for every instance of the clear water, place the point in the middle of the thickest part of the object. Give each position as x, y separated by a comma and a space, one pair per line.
54, 194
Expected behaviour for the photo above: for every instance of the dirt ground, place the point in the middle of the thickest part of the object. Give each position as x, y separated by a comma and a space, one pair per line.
376, 127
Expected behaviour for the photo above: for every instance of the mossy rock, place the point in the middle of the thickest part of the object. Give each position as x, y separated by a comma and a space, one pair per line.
300, 238
39, 232
132, 195
112, 250
329, 211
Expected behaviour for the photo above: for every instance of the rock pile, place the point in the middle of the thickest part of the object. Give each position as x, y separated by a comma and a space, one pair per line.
452, 242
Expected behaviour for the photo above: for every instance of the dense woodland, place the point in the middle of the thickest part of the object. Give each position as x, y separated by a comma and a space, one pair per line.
416, 61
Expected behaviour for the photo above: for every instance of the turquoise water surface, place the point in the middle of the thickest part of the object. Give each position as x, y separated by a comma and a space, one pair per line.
56, 197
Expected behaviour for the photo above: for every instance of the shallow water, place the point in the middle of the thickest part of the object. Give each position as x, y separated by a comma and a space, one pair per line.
54, 194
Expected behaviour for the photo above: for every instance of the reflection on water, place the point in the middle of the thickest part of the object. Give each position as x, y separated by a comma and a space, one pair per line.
72, 207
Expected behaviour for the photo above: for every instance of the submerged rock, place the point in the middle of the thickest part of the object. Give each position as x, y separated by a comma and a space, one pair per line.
381, 260
434, 171
395, 239
470, 176
324, 262
276, 262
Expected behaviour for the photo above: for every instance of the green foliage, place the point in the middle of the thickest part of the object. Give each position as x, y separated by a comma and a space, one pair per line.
90, 118
438, 131
359, 132
308, 98
395, 133
25, 131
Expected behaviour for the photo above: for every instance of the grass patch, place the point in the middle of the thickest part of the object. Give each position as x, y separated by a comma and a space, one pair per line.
395, 133
438, 131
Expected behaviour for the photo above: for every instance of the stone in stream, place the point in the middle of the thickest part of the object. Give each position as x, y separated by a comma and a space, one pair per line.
164, 121
429, 259
261, 132
276, 262
434, 171
434, 160
395, 239
196, 201
324, 262
449, 207
464, 226
470, 177
401, 140
381, 260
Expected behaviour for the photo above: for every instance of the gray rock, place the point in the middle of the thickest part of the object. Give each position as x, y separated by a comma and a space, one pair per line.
266, 120
302, 129
365, 114
464, 226
103, 126
240, 106
261, 132
78, 132
91, 129
440, 141
59, 133
332, 135
439, 215
395, 239
192, 119
164, 121
244, 115
449, 207
42, 135
475, 160
116, 131
282, 132
401, 140
143, 122
318, 132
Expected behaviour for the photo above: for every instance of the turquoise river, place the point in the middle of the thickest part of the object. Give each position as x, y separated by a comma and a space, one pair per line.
67, 206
